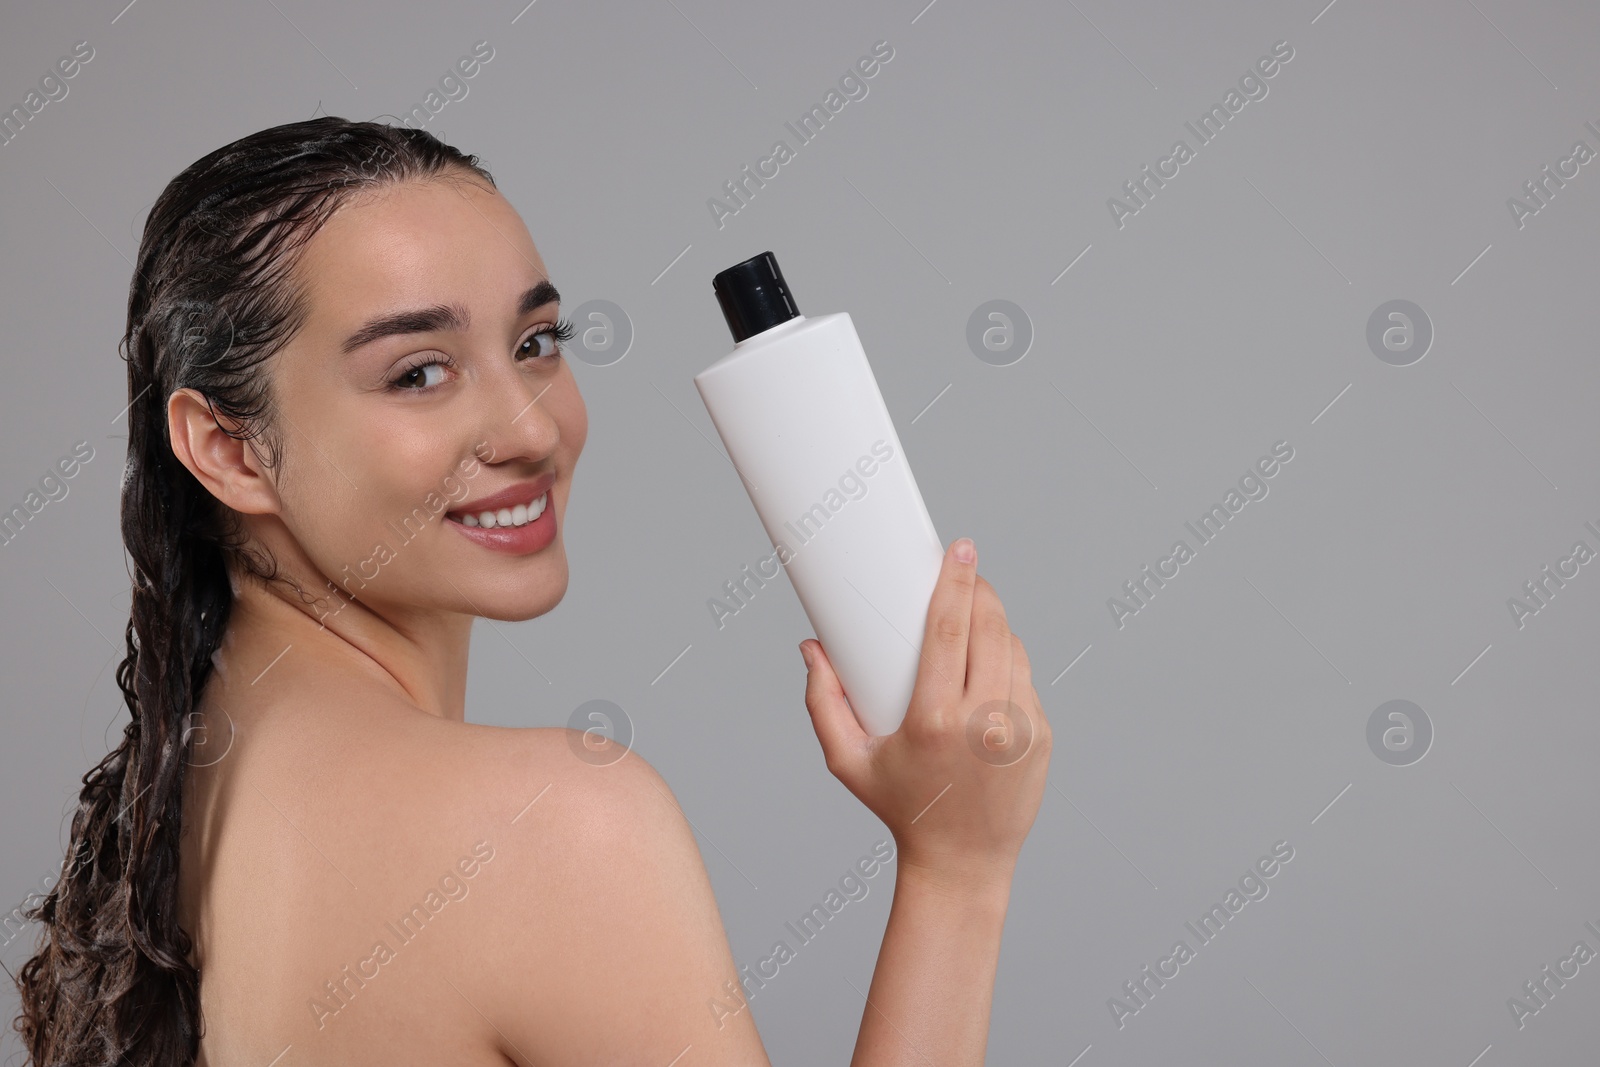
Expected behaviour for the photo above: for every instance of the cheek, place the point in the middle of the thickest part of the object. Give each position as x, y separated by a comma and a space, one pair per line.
356, 488
319, 522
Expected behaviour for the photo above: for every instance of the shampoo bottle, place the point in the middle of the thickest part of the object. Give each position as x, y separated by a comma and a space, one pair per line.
800, 413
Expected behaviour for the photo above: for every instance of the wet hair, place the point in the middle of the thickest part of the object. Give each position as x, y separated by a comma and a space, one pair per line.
212, 300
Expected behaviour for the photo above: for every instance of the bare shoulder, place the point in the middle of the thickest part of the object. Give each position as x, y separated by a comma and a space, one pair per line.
541, 895
550, 786
599, 938
345, 854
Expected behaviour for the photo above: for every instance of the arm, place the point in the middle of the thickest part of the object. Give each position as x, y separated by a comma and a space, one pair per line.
931, 992
959, 784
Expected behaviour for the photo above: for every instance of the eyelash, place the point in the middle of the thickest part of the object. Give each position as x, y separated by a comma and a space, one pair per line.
562, 332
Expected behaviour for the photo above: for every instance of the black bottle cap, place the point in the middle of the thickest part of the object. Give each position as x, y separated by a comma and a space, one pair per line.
754, 296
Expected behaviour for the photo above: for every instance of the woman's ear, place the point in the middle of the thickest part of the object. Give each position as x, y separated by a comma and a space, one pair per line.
226, 465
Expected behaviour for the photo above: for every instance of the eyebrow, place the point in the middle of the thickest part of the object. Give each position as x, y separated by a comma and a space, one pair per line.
440, 317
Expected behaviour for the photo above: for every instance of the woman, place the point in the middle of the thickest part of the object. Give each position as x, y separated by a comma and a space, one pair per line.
352, 431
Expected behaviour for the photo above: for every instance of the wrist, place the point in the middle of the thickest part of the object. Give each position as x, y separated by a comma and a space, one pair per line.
981, 882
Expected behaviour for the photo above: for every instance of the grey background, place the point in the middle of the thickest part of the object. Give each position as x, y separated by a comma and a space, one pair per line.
1228, 714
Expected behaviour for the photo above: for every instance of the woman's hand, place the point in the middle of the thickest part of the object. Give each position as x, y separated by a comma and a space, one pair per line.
959, 783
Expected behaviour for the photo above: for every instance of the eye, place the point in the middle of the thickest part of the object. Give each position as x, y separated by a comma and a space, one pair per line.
557, 335
415, 378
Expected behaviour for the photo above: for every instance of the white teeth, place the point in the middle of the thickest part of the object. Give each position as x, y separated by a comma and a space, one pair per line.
520, 515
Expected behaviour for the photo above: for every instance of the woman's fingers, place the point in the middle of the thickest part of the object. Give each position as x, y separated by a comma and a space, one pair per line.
989, 647
942, 668
837, 729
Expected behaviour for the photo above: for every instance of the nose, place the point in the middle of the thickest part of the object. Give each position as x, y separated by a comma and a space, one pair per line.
514, 422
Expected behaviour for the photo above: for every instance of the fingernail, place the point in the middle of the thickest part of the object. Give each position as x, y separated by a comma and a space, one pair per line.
966, 551
805, 654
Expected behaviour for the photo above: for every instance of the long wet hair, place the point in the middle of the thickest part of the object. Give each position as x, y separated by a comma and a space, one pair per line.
211, 301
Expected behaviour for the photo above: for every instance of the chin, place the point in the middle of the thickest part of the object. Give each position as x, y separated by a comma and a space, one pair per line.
540, 594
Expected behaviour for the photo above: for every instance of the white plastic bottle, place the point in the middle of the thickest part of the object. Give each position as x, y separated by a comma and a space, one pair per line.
801, 415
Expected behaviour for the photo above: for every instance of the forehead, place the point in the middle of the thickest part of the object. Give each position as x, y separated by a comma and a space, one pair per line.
415, 243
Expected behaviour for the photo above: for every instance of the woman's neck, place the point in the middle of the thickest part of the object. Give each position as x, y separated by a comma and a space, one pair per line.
422, 656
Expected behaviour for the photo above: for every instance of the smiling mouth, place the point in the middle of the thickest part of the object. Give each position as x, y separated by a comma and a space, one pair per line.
520, 515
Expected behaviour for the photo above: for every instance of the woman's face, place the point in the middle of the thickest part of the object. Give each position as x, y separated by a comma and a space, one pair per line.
425, 389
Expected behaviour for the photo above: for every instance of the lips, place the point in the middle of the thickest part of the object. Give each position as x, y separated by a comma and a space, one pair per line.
509, 497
